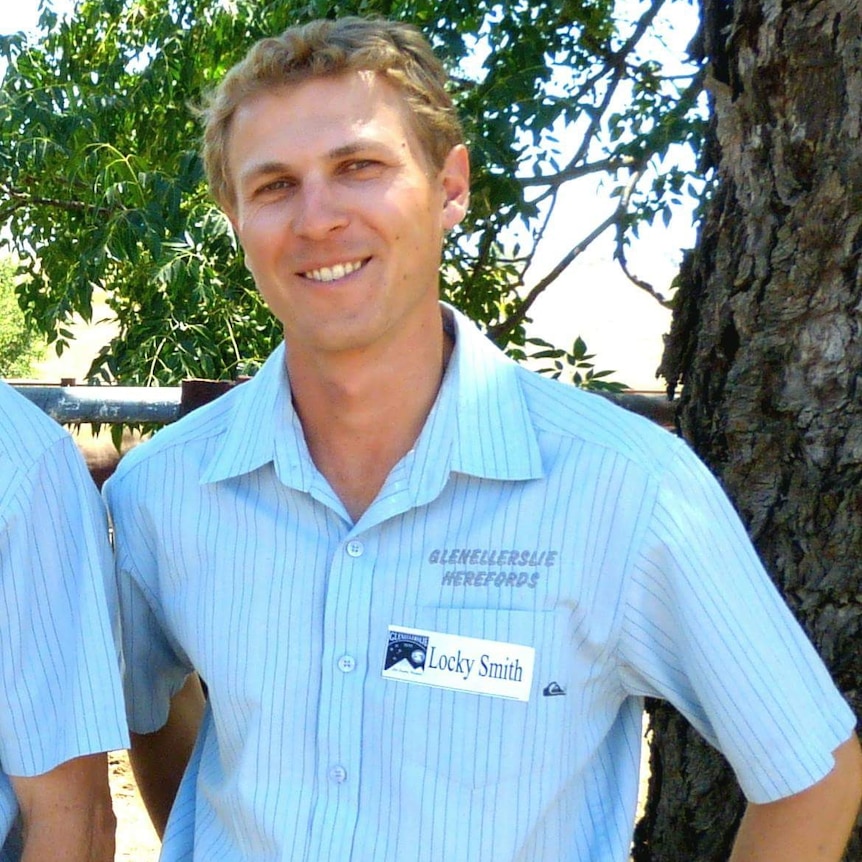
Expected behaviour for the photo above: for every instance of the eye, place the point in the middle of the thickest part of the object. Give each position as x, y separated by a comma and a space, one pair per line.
270, 187
361, 166
276, 186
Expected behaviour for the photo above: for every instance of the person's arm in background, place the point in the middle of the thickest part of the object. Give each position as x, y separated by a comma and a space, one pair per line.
159, 758
67, 812
811, 826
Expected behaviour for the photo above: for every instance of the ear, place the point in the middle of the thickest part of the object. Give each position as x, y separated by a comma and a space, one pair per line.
455, 180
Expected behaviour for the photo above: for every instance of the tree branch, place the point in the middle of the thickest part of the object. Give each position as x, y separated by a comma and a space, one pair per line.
21, 201
504, 328
574, 172
620, 254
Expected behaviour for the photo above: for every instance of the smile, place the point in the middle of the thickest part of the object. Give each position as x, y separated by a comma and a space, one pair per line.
331, 273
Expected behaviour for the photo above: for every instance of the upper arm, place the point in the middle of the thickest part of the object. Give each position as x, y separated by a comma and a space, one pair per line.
159, 759
709, 632
807, 826
155, 664
67, 812
61, 696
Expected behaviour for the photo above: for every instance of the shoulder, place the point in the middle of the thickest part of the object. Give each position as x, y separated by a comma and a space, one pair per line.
47, 496
33, 449
565, 412
565, 421
180, 453
180, 444
26, 432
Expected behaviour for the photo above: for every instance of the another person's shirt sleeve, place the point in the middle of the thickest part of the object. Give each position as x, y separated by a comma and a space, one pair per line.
59, 661
705, 628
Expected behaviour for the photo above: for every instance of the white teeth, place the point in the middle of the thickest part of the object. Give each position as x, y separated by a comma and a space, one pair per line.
331, 273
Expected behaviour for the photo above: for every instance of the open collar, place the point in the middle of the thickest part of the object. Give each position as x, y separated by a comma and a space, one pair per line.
479, 425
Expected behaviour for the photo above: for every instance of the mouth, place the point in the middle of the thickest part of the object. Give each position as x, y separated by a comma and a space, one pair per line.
333, 273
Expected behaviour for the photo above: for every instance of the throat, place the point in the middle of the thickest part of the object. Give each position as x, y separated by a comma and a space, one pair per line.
360, 423
357, 470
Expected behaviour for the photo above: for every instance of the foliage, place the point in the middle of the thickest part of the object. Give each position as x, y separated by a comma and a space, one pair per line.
102, 186
20, 346
574, 366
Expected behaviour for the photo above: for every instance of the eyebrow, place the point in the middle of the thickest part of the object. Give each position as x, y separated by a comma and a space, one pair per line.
349, 150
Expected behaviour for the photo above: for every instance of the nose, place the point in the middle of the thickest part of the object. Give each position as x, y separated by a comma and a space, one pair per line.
318, 210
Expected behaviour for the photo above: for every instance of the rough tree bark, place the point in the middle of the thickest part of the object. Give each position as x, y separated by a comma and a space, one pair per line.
767, 342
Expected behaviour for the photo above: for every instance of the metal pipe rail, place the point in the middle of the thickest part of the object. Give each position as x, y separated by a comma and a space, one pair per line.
161, 405
105, 404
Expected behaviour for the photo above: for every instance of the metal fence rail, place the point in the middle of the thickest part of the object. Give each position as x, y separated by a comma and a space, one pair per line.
106, 404
135, 405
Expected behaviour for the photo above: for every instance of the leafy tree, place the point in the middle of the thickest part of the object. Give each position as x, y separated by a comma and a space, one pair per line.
20, 346
102, 185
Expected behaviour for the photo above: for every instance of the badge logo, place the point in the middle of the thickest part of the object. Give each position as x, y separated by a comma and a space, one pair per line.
406, 652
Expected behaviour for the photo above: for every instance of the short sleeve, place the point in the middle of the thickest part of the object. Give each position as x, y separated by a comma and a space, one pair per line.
705, 629
59, 659
154, 666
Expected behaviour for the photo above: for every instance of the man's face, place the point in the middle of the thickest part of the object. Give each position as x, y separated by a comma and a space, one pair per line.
339, 215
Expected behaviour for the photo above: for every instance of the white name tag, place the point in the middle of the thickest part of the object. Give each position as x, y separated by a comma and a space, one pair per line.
479, 666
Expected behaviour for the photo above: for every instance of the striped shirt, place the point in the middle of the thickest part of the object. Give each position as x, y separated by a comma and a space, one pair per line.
529, 513
60, 690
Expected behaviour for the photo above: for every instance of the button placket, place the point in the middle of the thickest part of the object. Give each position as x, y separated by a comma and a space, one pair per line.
345, 639
337, 774
346, 664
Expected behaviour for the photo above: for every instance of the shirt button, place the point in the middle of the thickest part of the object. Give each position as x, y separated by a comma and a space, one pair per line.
338, 774
355, 548
346, 663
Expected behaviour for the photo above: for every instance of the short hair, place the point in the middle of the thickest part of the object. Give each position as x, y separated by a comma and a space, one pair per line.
324, 48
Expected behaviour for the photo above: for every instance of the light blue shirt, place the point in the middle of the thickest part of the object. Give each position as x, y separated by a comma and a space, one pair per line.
60, 693
528, 512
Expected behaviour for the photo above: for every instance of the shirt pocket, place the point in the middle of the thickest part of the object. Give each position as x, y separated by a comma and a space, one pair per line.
475, 740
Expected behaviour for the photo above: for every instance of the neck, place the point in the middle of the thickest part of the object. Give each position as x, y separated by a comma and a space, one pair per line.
362, 414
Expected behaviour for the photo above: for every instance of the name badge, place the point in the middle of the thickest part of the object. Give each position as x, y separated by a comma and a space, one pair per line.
474, 665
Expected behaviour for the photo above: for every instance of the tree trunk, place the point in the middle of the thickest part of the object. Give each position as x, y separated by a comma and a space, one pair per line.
767, 342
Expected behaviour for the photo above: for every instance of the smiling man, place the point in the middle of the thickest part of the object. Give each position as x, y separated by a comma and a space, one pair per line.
427, 589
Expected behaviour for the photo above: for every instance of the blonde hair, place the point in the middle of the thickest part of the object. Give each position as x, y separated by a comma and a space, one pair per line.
322, 48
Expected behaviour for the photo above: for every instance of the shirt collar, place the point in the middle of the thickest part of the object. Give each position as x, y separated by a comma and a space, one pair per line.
263, 428
495, 437
480, 423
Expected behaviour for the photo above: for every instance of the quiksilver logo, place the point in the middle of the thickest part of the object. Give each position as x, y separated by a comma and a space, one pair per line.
553, 689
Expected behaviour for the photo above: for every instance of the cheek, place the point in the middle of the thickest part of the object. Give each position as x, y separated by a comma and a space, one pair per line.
261, 240
420, 227
259, 226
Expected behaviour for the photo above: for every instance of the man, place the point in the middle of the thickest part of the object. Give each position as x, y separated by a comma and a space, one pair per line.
427, 589
62, 705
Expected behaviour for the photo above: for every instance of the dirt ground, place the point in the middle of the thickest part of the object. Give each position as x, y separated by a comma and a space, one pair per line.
136, 840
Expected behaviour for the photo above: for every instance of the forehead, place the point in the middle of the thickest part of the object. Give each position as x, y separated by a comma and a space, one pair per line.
318, 115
